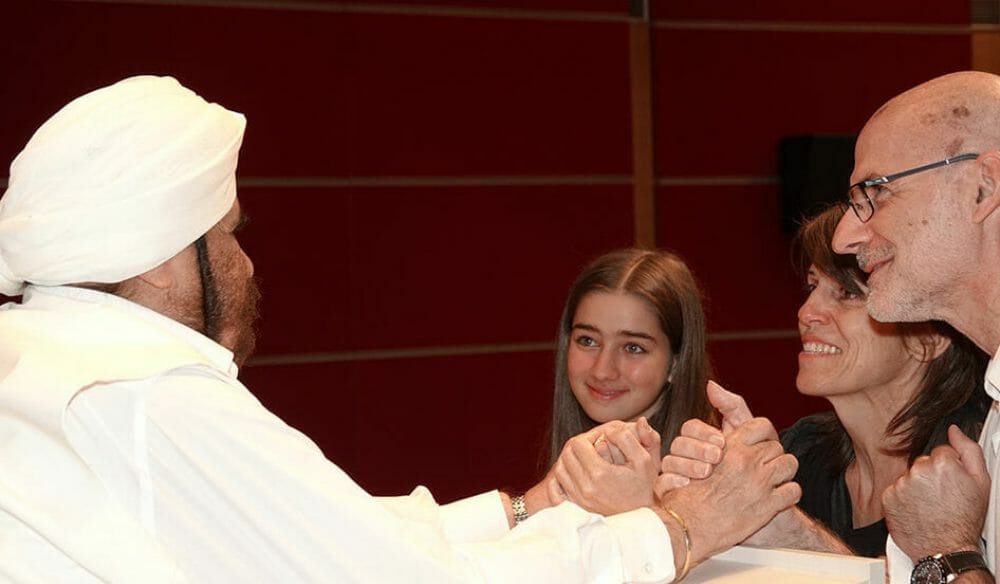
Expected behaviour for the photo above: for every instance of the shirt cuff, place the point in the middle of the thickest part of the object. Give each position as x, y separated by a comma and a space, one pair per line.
646, 553
898, 564
478, 518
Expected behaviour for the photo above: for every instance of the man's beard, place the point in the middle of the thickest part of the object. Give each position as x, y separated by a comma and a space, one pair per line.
230, 312
233, 319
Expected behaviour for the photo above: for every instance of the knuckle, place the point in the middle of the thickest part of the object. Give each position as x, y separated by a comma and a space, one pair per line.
680, 445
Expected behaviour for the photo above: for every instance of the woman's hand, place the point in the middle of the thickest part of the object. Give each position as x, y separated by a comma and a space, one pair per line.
610, 469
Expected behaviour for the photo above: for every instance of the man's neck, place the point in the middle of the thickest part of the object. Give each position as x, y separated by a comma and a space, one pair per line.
977, 316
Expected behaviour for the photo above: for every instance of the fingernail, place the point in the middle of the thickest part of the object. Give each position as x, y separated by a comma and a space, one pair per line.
715, 454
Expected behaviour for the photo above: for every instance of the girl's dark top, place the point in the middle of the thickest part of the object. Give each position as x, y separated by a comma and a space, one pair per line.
824, 489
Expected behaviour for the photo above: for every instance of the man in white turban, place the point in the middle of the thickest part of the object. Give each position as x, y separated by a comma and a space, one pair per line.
131, 453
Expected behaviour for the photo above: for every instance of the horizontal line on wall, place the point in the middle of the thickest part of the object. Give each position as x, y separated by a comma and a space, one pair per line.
759, 335
846, 27
431, 181
394, 9
514, 180
463, 350
696, 181
384, 354
486, 181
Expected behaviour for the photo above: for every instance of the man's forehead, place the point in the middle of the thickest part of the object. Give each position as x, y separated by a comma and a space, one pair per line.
905, 135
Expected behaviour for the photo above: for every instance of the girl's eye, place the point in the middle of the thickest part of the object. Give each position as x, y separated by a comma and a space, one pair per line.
585, 341
634, 349
808, 287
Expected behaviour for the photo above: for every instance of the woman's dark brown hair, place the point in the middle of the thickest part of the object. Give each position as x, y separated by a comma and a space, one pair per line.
663, 281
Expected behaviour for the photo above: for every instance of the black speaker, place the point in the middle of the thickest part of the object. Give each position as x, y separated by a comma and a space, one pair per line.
815, 171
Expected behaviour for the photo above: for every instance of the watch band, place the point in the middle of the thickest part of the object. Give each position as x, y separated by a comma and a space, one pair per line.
943, 568
958, 562
520, 511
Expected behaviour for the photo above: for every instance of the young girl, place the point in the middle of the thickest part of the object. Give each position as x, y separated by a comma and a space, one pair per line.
631, 343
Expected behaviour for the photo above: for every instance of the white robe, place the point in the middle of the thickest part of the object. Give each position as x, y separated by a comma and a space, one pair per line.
130, 453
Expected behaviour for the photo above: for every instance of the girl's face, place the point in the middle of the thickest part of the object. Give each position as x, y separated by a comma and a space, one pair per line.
843, 349
618, 358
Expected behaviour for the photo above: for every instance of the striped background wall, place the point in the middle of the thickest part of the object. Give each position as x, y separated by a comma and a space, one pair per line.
426, 178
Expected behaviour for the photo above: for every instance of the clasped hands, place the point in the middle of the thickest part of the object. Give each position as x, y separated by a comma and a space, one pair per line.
609, 469
747, 481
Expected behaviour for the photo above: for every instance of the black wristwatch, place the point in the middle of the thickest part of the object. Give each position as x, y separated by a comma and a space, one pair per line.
943, 568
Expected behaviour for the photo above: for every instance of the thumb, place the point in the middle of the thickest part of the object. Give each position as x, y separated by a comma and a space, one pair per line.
969, 451
648, 437
733, 408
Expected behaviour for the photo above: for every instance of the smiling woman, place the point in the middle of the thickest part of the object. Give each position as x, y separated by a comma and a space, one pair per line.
631, 343
894, 388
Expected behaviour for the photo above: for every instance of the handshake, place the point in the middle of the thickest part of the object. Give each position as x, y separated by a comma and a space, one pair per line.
715, 488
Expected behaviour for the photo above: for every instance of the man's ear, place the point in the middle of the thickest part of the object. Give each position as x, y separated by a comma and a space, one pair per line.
988, 193
165, 275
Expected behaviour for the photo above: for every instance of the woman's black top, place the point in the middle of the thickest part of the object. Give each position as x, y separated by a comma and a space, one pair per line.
825, 497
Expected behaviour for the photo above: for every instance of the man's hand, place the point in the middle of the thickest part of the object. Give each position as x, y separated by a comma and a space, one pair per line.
749, 486
609, 469
939, 506
698, 448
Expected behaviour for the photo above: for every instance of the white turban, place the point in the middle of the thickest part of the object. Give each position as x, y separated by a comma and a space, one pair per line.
116, 183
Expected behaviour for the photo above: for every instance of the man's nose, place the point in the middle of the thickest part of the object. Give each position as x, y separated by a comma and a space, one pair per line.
851, 233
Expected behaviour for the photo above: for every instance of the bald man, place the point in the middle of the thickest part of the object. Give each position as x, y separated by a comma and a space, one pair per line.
132, 453
925, 224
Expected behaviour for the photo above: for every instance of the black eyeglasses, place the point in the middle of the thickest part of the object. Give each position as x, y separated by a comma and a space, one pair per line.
861, 195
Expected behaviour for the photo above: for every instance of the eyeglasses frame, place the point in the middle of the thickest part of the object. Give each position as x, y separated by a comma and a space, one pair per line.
864, 185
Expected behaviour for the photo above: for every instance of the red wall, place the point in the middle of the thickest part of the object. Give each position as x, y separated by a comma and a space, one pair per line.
425, 180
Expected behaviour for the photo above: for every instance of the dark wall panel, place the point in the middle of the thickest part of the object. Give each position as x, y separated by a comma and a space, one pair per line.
285, 70
345, 94
725, 98
483, 265
447, 423
301, 241
730, 237
477, 96
377, 268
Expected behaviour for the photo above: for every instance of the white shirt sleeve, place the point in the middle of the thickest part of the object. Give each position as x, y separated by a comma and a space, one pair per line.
235, 494
477, 518
897, 563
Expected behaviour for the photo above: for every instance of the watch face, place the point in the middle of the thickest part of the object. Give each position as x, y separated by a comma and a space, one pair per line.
928, 571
